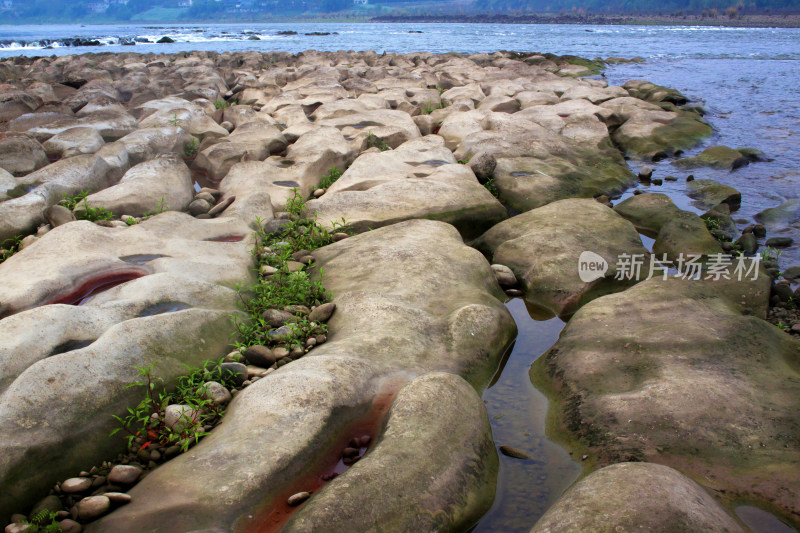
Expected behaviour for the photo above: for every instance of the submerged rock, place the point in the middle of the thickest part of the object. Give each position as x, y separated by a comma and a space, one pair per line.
637, 497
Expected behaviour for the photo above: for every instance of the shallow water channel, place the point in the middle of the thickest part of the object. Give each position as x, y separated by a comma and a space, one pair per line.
526, 488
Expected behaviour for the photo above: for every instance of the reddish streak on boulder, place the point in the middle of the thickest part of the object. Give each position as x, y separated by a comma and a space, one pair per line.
272, 517
96, 284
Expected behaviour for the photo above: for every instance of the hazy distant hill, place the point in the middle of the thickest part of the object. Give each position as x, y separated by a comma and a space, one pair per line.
14, 11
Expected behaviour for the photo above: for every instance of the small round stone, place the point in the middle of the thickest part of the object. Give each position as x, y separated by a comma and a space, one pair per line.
124, 474
93, 507
70, 526
297, 499
118, 497
76, 484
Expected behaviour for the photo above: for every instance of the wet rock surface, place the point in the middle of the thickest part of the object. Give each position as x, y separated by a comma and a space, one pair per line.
136, 191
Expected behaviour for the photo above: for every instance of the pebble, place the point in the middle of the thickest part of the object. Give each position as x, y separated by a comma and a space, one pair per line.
70, 526
510, 451
514, 292
17, 528
296, 352
276, 225
670, 178
294, 266
76, 484
199, 207
645, 173
280, 352
339, 237
297, 499
119, 497
216, 392
297, 309
267, 270
222, 206
318, 193
180, 417
505, 277
93, 507
276, 318
323, 312
236, 372
260, 355
124, 474
255, 372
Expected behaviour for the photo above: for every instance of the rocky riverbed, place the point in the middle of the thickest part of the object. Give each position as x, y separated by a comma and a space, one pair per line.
338, 233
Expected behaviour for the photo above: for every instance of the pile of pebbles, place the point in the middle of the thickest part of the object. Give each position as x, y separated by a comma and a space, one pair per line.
207, 203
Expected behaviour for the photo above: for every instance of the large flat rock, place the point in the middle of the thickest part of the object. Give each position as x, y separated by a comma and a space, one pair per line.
672, 372
418, 180
66, 367
411, 299
544, 246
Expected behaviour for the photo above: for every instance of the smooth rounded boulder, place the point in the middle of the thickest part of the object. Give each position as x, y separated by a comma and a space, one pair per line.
637, 497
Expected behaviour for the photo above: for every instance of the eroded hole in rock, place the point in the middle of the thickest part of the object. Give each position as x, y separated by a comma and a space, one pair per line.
226, 238
331, 462
285, 163
286, 183
520, 173
20, 190
140, 259
163, 308
362, 125
96, 284
69, 346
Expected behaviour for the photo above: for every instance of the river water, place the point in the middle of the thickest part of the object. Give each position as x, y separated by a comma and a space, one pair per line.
748, 79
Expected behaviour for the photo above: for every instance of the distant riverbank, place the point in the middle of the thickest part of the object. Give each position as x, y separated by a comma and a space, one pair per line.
745, 21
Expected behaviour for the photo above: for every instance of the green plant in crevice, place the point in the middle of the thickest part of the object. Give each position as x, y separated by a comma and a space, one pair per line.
86, 212
430, 107
219, 103
711, 224
283, 287
10, 246
770, 254
190, 148
373, 141
145, 424
492, 188
334, 173
44, 521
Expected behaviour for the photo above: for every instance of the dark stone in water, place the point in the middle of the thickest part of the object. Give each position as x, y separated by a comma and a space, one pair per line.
165, 40
779, 242
510, 451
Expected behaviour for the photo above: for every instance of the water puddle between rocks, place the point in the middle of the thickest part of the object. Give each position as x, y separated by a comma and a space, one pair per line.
290, 184
526, 488
69, 346
761, 521
272, 517
140, 259
96, 284
162, 308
